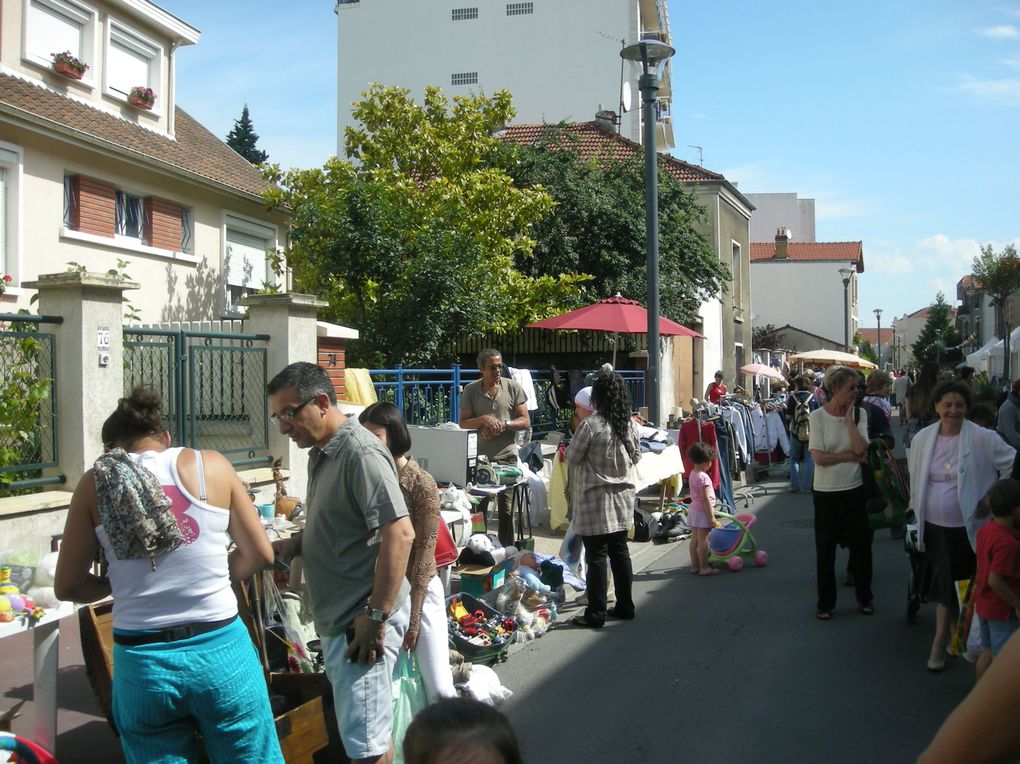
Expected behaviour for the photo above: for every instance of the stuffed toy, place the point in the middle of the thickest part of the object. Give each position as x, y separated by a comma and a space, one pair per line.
42, 582
483, 549
12, 602
484, 685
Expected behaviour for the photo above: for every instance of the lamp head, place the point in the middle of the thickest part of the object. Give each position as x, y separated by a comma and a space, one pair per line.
651, 54
878, 313
845, 273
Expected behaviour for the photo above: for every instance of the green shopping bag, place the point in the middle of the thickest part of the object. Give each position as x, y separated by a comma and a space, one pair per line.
408, 699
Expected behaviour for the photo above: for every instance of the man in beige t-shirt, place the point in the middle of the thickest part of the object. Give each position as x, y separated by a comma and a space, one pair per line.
496, 407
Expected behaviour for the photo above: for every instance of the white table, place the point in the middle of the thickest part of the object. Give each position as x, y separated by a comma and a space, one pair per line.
45, 652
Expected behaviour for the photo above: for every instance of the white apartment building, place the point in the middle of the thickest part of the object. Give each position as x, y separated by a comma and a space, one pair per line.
560, 59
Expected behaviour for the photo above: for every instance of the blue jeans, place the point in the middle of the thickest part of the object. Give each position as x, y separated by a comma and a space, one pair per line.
801, 478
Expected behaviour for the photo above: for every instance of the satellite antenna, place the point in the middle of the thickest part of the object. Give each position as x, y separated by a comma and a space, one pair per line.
625, 97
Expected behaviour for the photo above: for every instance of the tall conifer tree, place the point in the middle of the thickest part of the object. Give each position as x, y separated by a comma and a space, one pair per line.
243, 138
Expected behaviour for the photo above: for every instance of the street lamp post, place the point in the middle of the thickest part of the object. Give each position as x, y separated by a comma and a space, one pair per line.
878, 315
846, 273
652, 55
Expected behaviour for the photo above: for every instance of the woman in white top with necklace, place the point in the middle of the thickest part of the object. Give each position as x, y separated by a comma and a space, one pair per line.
838, 445
952, 463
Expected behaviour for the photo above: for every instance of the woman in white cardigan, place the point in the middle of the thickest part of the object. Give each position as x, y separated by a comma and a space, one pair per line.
953, 463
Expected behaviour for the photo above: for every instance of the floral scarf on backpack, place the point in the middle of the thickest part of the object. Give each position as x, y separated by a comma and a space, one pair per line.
134, 509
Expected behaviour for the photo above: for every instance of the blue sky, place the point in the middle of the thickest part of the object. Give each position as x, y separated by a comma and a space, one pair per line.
899, 118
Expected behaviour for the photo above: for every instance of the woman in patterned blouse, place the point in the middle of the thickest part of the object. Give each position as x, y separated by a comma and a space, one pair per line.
427, 628
602, 454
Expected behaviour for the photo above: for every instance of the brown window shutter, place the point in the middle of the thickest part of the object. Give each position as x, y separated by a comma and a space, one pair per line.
96, 208
162, 223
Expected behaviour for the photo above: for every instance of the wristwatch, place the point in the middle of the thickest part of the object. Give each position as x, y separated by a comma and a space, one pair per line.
506, 424
379, 616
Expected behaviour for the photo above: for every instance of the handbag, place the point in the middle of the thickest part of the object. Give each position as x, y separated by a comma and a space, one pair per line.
446, 548
408, 699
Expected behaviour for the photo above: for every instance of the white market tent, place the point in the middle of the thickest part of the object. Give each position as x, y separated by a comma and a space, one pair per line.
981, 358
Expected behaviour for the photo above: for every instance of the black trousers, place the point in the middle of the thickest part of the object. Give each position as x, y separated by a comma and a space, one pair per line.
840, 519
596, 549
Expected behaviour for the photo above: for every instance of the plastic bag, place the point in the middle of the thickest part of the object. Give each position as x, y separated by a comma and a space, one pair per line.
408, 699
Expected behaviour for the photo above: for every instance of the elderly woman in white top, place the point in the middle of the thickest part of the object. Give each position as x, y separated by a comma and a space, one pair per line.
838, 445
952, 463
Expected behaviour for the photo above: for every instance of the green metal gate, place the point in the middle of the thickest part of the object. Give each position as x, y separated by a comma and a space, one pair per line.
213, 387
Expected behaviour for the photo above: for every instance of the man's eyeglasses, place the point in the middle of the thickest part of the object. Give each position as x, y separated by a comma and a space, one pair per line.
288, 416
495, 367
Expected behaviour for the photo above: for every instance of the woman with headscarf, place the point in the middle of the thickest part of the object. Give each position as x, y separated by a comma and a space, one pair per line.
602, 454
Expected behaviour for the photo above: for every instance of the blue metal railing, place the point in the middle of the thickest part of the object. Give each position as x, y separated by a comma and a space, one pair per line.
432, 396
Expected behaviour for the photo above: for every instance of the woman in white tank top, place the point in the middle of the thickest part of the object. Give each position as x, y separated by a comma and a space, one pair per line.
164, 519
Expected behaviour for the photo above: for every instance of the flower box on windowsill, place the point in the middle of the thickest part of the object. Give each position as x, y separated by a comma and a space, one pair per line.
139, 102
66, 69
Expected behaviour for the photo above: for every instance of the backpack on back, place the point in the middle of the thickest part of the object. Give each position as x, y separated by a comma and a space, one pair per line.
801, 425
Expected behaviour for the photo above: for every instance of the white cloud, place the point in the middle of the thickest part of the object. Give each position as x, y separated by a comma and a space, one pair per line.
939, 285
998, 90
939, 251
1002, 32
1013, 62
885, 262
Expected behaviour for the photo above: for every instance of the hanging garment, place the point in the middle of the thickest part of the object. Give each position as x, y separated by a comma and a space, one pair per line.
775, 432
691, 432
723, 456
759, 437
523, 378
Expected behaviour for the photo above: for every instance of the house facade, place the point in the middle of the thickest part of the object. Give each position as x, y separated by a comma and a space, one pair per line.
799, 284
91, 179
724, 318
477, 46
908, 330
772, 211
975, 314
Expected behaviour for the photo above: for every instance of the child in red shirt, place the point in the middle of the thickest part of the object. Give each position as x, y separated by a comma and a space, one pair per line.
997, 587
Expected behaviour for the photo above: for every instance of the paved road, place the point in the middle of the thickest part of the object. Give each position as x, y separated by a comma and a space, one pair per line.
737, 668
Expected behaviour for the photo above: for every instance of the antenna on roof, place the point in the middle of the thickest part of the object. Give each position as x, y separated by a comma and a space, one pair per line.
701, 154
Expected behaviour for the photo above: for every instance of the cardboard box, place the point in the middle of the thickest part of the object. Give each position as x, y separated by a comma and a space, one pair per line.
478, 580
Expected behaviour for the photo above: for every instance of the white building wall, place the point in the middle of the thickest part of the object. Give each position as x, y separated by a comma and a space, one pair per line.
808, 296
712, 348
774, 211
561, 62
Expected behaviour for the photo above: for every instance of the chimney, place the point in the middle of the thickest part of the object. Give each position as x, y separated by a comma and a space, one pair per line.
782, 239
606, 120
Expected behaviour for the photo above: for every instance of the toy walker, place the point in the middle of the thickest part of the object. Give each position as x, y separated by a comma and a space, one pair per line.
733, 541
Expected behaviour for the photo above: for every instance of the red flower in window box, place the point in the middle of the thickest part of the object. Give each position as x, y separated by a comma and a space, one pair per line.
141, 97
67, 64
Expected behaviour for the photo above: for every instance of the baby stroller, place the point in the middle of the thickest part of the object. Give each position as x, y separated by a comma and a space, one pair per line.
732, 542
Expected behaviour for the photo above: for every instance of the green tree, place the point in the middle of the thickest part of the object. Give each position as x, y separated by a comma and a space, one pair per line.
767, 337
243, 139
939, 341
414, 241
867, 351
599, 226
998, 274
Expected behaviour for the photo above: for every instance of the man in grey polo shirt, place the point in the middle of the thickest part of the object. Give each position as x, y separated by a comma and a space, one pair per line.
496, 406
355, 548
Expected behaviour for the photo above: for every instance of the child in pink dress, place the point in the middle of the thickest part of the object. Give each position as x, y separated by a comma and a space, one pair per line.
701, 512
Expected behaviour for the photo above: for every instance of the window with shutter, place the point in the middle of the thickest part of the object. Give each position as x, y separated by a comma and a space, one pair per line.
3, 221
244, 263
132, 61
53, 26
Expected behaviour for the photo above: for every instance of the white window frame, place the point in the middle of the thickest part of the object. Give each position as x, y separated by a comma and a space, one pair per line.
520, 9
464, 14
460, 79
12, 160
76, 11
121, 34
260, 229
737, 271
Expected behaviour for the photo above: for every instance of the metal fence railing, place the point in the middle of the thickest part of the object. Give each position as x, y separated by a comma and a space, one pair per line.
213, 387
432, 396
28, 403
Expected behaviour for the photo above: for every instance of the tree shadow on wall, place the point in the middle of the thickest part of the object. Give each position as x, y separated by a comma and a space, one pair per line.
200, 300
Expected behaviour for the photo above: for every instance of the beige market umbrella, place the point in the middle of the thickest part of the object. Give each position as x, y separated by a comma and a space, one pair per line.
760, 369
833, 358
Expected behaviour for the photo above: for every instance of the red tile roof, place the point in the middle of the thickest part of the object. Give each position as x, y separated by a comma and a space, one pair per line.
923, 313
590, 140
847, 251
871, 335
194, 150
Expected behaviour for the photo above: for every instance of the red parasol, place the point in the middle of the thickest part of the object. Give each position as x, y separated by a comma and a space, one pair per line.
614, 314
